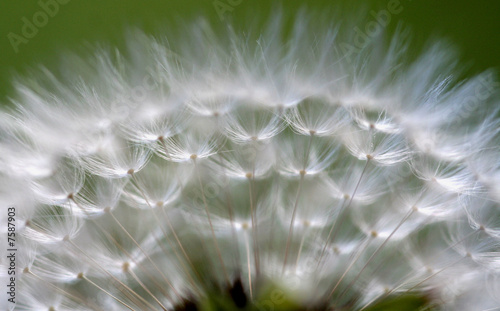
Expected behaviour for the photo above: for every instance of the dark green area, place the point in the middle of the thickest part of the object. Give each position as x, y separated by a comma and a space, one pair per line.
275, 299
408, 302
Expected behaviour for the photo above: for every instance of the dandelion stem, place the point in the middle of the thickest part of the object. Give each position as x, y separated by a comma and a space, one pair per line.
137, 185
107, 272
145, 288
342, 212
343, 215
358, 255
300, 248
254, 214
230, 212
302, 173
107, 293
115, 242
144, 252
459, 241
412, 210
68, 240
171, 227
56, 287
247, 246
254, 222
169, 223
406, 280
139, 265
290, 231
219, 254
273, 220
433, 275
329, 234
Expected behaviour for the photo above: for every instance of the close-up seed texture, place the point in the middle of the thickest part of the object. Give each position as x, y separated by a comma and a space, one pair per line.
306, 167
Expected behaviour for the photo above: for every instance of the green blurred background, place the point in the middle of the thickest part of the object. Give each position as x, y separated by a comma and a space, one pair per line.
473, 26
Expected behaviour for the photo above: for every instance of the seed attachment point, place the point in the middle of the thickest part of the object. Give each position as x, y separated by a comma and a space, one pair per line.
126, 266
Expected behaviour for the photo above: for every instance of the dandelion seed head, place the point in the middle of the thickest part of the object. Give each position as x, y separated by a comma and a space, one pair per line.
271, 170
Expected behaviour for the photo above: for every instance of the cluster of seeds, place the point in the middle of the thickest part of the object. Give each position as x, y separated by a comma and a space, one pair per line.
142, 181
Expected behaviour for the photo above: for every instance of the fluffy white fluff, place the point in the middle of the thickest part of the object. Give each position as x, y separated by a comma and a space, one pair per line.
140, 179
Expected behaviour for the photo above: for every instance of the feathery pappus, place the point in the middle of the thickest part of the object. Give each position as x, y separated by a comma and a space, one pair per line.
216, 170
